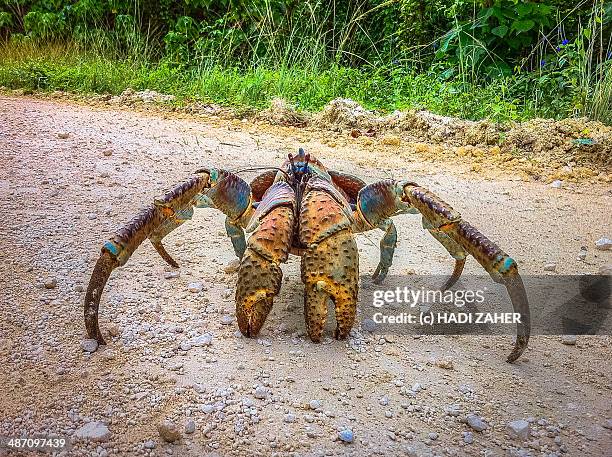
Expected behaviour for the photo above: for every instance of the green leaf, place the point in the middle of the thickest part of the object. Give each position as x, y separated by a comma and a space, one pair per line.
500, 31
587, 33
523, 9
523, 26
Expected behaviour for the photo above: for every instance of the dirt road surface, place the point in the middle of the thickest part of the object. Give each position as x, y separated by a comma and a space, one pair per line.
72, 174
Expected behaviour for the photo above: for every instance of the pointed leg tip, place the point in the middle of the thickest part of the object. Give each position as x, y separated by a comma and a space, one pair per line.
519, 348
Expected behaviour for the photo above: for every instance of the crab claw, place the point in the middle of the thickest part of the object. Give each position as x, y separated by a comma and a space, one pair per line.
104, 267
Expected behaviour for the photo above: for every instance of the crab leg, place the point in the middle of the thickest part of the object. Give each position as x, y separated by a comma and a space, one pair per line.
453, 248
208, 188
383, 199
501, 267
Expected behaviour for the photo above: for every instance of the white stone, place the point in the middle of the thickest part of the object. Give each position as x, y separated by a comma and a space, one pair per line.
94, 431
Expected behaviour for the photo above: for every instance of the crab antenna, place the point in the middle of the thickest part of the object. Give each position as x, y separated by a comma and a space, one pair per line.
260, 168
290, 156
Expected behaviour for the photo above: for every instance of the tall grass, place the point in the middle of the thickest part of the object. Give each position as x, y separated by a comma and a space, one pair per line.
299, 65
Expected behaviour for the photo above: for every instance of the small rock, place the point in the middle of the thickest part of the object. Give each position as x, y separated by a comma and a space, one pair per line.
368, 325
195, 287
169, 431
227, 320
603, 244
113, 330
468, 438
570, 340
107, 152
518, 429
63, 135
227, 293
172, 274
232, 267
314, 404
50, 283
190, 426
557, 184
550, 267
346, 436
433, 436
149, 444
289, 418
383, 401
185, 346
202, 340
446, 363
261, 393
94, 431
476, 422
583, 253
89, 345
92, 216
608, 424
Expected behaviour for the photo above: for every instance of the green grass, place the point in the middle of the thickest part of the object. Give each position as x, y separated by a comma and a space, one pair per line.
68, 68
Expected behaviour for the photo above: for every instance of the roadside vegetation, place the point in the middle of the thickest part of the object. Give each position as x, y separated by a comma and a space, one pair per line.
497, 59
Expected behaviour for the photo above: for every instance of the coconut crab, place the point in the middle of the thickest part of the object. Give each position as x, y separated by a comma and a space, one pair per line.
303, 208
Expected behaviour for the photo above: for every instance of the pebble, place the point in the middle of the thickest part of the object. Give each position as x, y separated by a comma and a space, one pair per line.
468, 437
92, 216
185, 346
190, 426
63, 135
195, 287
168, 431
608, 424
107, 152
433, 436
550, 267
261, 393
113, 330
476, 422
582, 255
232, 267
346, 436
557, 184
518, 429
172, 274
383, 401
50, 283
289, 418
368, 325
202, 340
89, 345
603, 244
227, 319
570, 340
94, 431
314, 404
149, 444
445, 363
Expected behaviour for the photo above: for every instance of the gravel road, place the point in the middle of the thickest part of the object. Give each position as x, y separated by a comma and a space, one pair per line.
176, 367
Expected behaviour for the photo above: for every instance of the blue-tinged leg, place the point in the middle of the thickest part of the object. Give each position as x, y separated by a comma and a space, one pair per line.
236, 234
387, 248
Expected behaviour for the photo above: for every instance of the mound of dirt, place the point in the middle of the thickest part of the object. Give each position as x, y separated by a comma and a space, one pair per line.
129, 95
572, 141
281, 112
